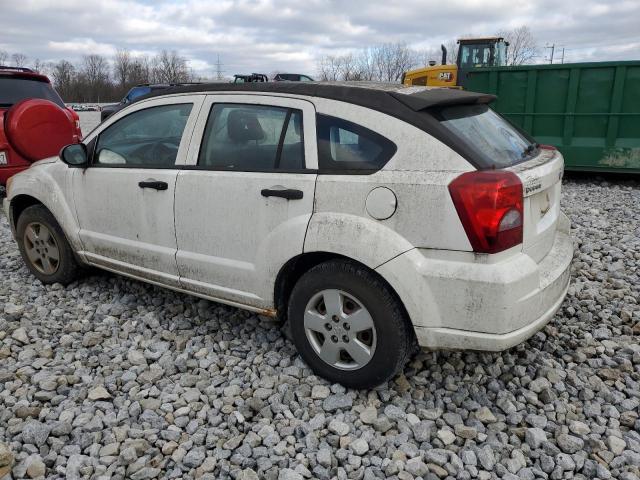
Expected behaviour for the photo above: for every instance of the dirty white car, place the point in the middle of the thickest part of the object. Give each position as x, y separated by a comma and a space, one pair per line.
371, 219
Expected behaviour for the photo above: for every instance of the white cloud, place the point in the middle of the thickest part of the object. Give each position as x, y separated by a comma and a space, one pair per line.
77, 46
269, 35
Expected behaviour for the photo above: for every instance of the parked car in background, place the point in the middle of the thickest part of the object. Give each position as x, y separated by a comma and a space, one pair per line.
371, 219
34, 121
136, 92
291, 77
251, 78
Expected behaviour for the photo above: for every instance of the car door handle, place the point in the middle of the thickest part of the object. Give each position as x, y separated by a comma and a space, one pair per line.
155, 184
288, 193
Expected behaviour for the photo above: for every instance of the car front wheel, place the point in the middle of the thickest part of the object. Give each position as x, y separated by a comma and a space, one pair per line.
44, 247
348, 325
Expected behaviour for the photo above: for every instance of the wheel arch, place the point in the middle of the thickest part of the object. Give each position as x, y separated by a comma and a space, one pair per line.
297, 266
19, 204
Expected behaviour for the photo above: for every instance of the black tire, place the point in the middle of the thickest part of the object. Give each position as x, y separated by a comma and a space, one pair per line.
66, 267
394, 336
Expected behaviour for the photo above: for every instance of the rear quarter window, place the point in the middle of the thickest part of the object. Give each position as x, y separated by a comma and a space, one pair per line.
498, 143
345, 146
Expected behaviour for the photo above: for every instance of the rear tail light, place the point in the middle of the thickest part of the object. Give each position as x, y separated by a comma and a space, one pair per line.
490, 207
547, 147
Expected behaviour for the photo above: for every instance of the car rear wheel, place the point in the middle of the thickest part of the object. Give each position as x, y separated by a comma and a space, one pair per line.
348, 325
44, 247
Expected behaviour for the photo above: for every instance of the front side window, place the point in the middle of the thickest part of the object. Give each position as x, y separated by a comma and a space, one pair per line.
146, 138
252, 138
343, 145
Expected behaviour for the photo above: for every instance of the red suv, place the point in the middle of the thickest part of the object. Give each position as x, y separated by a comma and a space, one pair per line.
34, 121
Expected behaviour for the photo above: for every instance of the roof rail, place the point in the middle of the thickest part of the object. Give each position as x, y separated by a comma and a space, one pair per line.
17, 69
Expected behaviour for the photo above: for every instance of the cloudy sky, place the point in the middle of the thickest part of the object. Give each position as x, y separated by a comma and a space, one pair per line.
286, 35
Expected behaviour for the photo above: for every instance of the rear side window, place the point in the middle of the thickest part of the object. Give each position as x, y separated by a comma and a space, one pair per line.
15, 89
345, 146
252, 138
499, 143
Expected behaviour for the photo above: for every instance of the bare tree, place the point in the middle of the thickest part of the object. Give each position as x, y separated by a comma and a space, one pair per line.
385, 63
329, 68
64, 78
4, 56
522, 45
169, 67
19, 59
391, 60
140, 70
122, 66
95, 72
40, 66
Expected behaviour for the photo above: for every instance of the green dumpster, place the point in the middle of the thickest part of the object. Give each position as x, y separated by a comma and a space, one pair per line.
589, 111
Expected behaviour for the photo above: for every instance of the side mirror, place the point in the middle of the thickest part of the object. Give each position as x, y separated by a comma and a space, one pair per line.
75, 155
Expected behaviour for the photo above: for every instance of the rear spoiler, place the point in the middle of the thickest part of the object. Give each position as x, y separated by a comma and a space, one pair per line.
441, 97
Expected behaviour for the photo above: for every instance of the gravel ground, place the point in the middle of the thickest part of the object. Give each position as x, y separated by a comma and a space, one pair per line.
112, 378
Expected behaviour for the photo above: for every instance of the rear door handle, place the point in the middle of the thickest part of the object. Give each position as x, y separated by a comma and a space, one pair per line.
288, 193
155, 184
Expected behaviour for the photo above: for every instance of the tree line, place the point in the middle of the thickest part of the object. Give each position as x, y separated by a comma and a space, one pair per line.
99, 79
387, 62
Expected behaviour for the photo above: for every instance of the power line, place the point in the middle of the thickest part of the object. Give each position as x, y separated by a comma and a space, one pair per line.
219, 70
552, 47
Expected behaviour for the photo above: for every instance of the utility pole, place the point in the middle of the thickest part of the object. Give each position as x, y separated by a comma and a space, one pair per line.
219, 69
552, 47
562, 60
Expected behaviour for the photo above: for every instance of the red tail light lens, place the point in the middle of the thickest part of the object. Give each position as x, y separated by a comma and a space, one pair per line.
490, 207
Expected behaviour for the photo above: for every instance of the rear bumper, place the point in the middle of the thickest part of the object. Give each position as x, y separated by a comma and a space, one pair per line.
465, 304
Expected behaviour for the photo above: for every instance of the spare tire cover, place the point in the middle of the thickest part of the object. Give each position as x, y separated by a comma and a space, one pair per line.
38, 128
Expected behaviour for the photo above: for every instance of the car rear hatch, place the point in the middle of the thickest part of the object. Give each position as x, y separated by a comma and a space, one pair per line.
498, 145
541, 183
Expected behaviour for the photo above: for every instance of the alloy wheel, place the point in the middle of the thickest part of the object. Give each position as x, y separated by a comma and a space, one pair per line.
340, 329
41, 248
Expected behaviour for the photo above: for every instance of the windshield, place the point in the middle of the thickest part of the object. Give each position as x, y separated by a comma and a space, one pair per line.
136, 92
16, 89
499, 142
475, 56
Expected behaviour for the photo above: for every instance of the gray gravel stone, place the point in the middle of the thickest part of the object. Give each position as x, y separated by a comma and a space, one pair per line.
36, 433
335, 402
194, 389
569, 443
535, 437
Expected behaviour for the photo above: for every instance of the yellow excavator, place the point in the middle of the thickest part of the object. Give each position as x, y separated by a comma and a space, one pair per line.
472, 53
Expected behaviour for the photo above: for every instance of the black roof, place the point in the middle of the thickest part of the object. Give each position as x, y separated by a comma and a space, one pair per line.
379, 96
403, 102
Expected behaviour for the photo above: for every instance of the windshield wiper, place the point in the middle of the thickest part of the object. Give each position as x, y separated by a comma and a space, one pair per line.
532, 147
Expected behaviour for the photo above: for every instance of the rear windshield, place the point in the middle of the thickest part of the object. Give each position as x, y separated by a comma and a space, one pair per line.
15, 89
498, 143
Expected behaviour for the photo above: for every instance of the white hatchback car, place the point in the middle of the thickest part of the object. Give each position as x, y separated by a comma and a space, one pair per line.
371, 218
